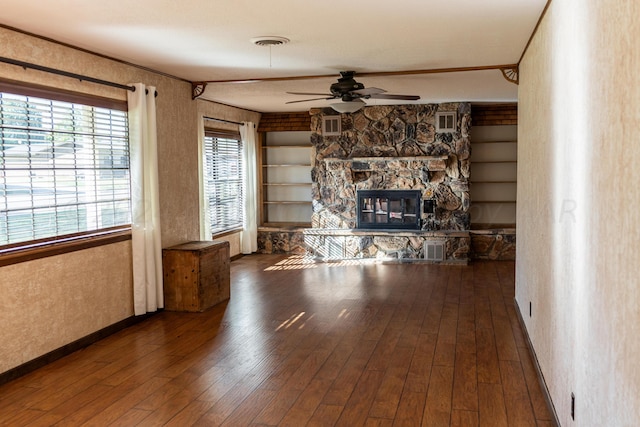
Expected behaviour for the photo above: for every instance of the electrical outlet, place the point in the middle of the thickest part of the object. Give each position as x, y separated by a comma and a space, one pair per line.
573, 407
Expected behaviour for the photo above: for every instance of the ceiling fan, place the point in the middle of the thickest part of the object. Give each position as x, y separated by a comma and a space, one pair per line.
352, 94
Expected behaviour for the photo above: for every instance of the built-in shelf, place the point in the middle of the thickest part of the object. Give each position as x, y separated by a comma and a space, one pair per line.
493, 161
492, 201
288, 184
284, 146
288, 202
490, 227
494, 170
493, 182
283, 226
285, 167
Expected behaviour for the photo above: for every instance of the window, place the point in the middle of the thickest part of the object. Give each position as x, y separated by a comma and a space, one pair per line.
64, 165
223, 180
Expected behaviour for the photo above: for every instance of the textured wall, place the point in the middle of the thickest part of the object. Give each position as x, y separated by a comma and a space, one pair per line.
46, 305
578, 246
53, 301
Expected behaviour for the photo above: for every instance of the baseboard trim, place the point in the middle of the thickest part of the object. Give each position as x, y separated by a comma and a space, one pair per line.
536, 364
67, 349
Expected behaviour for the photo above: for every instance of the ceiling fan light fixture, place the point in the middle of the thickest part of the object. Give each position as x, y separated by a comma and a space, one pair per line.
348, 106
269, 41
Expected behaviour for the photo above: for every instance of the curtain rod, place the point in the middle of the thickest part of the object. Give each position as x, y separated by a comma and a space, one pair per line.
223, 121
80, 77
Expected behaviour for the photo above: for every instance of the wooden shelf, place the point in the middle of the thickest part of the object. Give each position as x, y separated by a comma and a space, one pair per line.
285, 167
494, 142
287, 202
493, 182
288, 184
308, 165
281, 225
491, 226
286, 146
494, 161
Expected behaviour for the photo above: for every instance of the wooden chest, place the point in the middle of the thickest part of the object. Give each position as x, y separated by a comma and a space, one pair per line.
196, 275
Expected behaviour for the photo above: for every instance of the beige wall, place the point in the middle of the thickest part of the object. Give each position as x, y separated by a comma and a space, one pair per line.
578, 247
53, 301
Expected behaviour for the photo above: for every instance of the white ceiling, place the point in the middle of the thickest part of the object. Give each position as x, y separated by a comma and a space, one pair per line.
201, 40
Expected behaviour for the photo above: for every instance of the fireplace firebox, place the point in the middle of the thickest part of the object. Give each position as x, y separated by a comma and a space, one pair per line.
388, 209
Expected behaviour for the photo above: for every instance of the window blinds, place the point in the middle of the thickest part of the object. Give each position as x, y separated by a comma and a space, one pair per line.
223, 180
64, 168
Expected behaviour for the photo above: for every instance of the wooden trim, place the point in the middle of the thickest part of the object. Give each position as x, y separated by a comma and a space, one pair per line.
262, 208
221, 133
284, 226
493, 182
215, 236
493, 142
535, 30
236, 257
287, 165
491, 226
288, 184
480, 202
285, 122
536, 364
369, 74
67, 349
40, 91
493, 161
33, 250
288, 202
287, 146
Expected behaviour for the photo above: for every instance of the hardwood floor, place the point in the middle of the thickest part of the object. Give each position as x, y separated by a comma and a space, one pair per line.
305, 344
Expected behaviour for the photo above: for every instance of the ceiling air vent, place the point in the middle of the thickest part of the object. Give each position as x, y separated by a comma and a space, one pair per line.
446, 121
269, 40
331, 126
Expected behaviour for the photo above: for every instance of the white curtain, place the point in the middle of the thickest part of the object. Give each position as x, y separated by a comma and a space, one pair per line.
249, 235
205, 221
145, 224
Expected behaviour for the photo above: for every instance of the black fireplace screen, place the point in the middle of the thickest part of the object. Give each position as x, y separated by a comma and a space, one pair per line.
389, 209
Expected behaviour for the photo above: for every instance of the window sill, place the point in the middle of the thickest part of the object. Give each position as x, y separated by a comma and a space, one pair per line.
224, 233
30, 251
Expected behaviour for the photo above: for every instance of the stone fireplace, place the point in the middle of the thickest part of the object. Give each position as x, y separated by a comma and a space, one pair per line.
391, 148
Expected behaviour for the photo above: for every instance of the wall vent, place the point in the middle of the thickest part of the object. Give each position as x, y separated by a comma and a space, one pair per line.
331, 126
433, 250
446, 121
333, 248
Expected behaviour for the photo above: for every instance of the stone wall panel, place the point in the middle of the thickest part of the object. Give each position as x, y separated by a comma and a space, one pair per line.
387, 132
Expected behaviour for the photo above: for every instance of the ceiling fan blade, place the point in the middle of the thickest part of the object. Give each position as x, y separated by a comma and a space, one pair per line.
309, 93
312, 99
369, 91
398, 97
